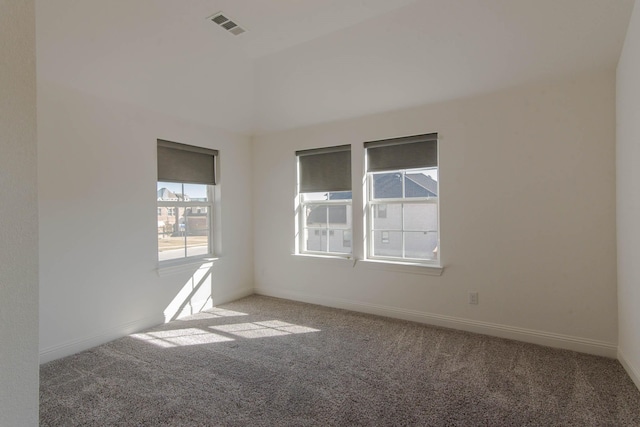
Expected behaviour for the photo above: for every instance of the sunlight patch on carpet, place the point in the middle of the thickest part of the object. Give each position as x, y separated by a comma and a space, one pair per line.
269, 328
180, 337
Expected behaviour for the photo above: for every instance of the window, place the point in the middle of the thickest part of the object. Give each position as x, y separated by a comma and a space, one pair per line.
402, 199
186, 176
324, 200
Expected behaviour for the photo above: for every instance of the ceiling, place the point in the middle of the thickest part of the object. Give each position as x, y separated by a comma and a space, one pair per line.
309, 61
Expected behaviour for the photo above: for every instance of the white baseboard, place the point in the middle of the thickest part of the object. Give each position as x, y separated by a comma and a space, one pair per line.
224, 297
77, 345
631, 370
583, 345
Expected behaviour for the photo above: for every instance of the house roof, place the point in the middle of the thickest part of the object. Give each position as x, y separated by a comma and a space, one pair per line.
389, 185
166, 194
424, 181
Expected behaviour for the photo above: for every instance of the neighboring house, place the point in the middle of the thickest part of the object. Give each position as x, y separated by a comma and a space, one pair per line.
420, 243
174, 221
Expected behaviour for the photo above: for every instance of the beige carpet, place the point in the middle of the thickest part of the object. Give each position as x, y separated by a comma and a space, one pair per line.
267, 362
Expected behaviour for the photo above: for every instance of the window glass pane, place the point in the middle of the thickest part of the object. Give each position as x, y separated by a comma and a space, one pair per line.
339, 216
169, 191
340, 195
423, 217
316, 215
196, 228
387, 185
197, 245
334, 195
420, 245
316, 240
392, 220
421, 183
387, 243
169, 220
170, 240
167, 253
380, 211
346, 239
196, 193
336, 241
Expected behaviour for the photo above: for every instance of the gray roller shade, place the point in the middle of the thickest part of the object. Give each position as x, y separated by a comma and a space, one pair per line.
325, 169
409, 152
186, 163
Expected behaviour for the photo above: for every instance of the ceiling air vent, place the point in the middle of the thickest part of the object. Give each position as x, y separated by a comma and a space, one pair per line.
226, 23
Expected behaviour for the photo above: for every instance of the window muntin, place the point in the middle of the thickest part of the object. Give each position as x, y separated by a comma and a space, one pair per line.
408, 230
325, 226
184, 221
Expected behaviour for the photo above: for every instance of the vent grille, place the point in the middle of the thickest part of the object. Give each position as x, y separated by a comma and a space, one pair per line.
229, 25
220, 19
226, 23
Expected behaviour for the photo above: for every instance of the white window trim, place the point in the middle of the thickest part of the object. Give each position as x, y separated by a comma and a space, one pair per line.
177, 264
402, 267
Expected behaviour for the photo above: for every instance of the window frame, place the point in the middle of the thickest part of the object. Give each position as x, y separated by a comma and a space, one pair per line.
371, 214
303, 228
408, 157
185, 164
209, 205
323, 171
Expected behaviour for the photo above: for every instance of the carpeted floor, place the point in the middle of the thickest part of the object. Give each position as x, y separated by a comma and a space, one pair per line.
263, 361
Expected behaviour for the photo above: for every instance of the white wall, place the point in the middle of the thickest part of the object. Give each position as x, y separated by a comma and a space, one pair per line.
98, 242
527, 216
19, 216
628, 200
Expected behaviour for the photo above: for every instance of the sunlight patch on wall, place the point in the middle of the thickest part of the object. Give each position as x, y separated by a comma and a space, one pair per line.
194, 296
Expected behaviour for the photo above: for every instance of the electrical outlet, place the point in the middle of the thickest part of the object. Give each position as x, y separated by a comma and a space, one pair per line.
473, 298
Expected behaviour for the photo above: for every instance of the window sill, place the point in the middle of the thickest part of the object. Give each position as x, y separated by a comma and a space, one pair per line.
346, 260
374, 264
184, 266
402, 267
